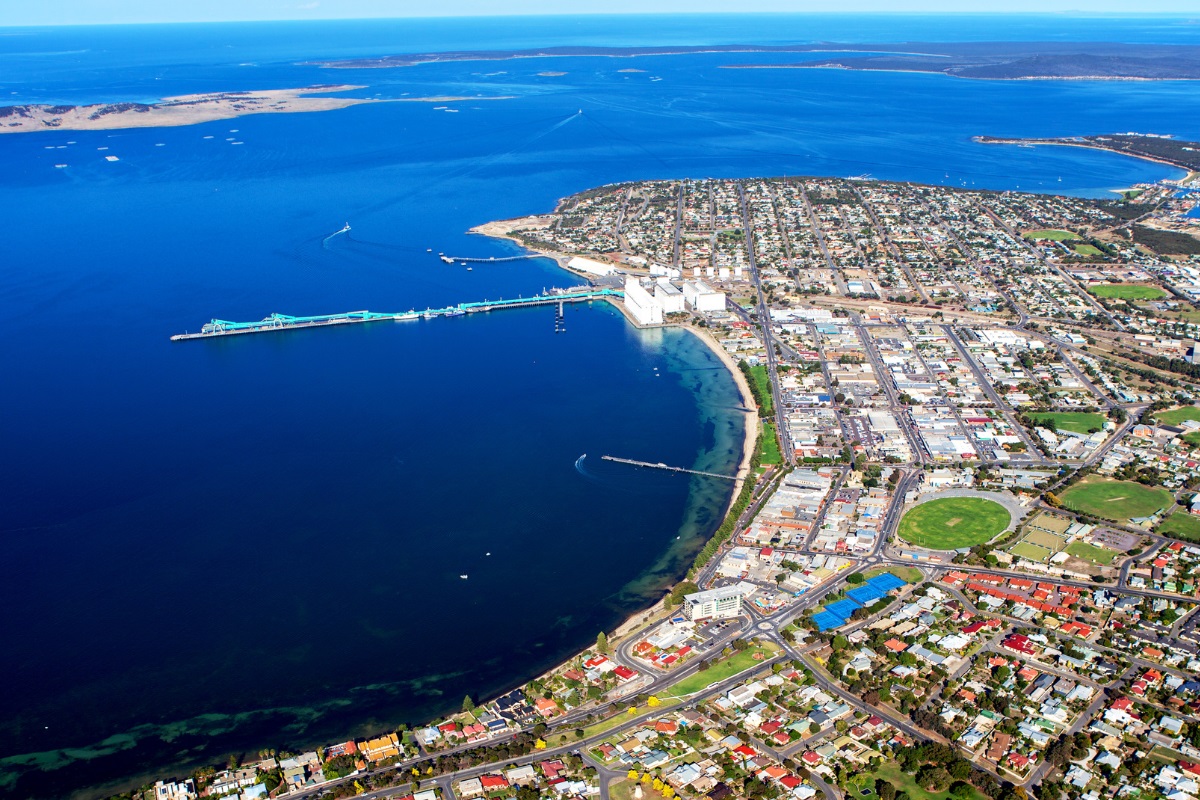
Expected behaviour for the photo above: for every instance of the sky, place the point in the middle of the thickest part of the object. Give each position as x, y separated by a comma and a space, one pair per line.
90, 12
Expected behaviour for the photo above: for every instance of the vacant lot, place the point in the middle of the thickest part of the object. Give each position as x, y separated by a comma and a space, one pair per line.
1116, 500
1054, 235
1074, 421
1089, 552
1183, 525
1125, 291
952, 522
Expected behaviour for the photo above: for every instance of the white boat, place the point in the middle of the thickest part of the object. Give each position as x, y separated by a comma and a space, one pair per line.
406, 316
464, 577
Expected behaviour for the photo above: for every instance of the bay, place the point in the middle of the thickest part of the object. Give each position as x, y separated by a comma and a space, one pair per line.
211, 547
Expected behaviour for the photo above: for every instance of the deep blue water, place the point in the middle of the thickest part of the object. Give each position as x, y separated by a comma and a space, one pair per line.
208, 547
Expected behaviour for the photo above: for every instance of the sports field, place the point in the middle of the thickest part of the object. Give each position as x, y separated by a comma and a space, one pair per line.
1086, 249
1033, 552
1116, 500
1125, 291
1178, 415
1053, 235
1074, 421
1183, 525
952, 522
1089, 552
1045, 539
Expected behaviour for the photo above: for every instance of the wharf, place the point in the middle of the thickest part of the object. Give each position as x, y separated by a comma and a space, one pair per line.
285, 322
668, 467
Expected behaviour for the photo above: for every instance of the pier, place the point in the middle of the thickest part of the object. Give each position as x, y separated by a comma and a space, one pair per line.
491, 260
669, 468
286, 322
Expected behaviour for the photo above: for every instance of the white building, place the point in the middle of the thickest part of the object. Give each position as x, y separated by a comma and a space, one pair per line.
668, 296
716, 603
185, 790
641, 305
702, 297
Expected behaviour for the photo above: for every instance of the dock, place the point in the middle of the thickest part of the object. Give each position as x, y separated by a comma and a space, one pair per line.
669, 468
285, 322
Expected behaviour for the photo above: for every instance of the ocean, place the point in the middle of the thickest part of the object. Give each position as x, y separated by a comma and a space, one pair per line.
220, 546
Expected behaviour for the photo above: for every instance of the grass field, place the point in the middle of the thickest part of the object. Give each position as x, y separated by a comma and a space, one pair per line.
1074, 421
768, 444
1045, 539
1053, 235
1125, 291
1183, 525
890, 771
1192, 438
762, 383
1089, 552
952, 522
1116, 500
1034, 552
909, 574
721, 670
1086, 249
1178, 415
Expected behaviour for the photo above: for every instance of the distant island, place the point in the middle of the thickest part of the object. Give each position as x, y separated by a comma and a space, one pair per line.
1018, 60
1149, 147
188, 109
981, 60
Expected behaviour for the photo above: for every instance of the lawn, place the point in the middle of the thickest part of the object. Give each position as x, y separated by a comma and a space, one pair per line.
719, 671
768, 445
953, 522
890, 771
1192, 438
1089, 552
1178, 415
907, 574
1086, 249
1183, 525
1033, 552
1116, 500
1074, 421
1126, 291
1053, 235
762, 385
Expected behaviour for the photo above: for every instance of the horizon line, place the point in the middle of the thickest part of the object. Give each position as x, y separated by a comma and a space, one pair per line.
1073, 13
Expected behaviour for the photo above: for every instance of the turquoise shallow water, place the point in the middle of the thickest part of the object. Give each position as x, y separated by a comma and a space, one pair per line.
220, 546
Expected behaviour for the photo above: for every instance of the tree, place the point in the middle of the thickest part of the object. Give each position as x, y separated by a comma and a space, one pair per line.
855, 578
468, 704
884, 789
602, 642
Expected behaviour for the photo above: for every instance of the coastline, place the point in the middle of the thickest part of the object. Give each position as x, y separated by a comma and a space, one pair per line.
1085, 146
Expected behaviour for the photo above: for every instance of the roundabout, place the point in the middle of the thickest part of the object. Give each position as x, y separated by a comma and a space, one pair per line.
949, 521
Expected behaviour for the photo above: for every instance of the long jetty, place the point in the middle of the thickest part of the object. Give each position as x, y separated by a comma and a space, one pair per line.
668, 468
490, 260
286, 322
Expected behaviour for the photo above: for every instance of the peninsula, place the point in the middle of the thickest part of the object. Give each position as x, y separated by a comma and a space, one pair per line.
189, 109
1148, 147
982, 60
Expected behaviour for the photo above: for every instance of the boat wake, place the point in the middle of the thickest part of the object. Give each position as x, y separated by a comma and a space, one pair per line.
325, 241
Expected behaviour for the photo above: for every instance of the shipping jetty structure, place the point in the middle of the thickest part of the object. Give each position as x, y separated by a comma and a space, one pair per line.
284, 322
